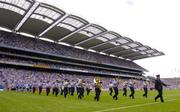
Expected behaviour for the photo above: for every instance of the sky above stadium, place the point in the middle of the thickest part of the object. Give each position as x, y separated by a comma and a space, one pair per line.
152, 22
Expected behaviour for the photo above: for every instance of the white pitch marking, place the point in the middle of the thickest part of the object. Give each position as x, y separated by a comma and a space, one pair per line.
111, 109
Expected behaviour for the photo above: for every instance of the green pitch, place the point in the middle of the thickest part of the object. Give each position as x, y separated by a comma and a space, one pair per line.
27, 102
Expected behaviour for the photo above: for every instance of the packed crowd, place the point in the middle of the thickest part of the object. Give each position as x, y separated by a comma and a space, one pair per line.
37, 45
11, 77
5, 59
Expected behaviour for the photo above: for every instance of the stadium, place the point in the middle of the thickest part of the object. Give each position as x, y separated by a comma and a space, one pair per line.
42, 46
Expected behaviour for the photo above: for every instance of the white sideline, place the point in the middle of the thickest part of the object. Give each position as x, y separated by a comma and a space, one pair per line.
111, 109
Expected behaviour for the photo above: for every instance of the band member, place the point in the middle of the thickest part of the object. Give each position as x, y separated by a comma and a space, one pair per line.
56, 88
125, 84
159, 87
145, 88
17, 87
40, 87
62, 87
77, 88
34, 87
69, 88
27, 87
72, 88
30, 87
98, 86
110, 88
131, 86
115, 87
48, 88
65, 84
88, 87
53, 87
81, 89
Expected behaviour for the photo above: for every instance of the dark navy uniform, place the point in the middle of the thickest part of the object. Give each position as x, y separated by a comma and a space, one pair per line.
65, 84
98, 86
56, 88
53, 88
48, 88
116, 91
159, 87
110, 88
81, 89
72, 88
131, 86
40, 87
145, 87
62, 87
77, 88
125, 89
34, 88
88, 88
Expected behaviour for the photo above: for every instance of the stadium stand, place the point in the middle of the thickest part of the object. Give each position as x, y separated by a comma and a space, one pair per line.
12, 77
36, 46
44, 38
174, 82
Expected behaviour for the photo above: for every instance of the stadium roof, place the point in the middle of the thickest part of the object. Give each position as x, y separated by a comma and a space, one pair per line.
49, 22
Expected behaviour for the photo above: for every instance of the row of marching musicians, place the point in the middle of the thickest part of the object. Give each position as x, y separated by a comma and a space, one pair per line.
69, 87
113, 87
64, 88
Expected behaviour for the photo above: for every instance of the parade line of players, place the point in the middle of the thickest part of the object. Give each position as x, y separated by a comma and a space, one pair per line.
68, 87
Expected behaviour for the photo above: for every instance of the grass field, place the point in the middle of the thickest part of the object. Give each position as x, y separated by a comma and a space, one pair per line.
27, 102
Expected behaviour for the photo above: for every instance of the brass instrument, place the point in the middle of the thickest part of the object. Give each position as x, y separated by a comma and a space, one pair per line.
98, 82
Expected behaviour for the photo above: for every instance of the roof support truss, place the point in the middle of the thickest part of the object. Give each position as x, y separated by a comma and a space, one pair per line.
112, 40
108, 49
129, 54
53, 25
141, 56
27, 15
76, 31
90, 38
12, 5
123, 51
138, 57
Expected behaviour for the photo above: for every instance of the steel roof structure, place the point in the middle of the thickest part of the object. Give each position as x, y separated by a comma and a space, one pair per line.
46, 21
